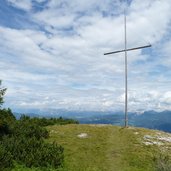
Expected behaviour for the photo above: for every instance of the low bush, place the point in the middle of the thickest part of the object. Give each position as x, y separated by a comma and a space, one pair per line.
7, 119
6, 159
32, 152
48, 121
22, 141
29, 129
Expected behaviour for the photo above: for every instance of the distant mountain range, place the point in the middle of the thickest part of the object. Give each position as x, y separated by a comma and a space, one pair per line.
148, 119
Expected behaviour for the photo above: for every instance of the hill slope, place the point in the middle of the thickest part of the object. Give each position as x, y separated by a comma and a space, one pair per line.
111, 148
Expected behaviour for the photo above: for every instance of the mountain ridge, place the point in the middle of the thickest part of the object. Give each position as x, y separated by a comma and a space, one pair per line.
148, 119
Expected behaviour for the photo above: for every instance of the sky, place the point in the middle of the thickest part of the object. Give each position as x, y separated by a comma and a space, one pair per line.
51, 54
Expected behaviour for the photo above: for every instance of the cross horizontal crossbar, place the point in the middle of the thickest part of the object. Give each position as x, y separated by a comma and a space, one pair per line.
141, 47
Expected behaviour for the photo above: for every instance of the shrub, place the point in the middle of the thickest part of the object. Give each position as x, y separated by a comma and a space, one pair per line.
7, 116
32, 152
28, 130
4, 128
7, 119
45, 121
22, 141
5, 158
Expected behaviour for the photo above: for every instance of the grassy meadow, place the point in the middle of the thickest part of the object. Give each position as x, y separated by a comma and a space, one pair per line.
106, 148
109, 148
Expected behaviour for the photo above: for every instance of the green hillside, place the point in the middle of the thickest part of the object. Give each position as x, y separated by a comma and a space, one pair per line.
112, 148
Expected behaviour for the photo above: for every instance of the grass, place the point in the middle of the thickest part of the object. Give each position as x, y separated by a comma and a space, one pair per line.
106, 148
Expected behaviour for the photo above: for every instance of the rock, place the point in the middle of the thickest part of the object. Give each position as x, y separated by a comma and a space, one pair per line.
82, 135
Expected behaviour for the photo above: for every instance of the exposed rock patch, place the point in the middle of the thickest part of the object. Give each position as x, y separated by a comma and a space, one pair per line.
82, 135
158, 139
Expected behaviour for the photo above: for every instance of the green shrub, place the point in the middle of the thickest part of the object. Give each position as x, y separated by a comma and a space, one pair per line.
7, 116
4, 128
7, 119
48, 121
22, 142
28, 130
6, 160
33, 152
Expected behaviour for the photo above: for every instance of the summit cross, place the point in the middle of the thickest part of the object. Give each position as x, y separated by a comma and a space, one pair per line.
125, 50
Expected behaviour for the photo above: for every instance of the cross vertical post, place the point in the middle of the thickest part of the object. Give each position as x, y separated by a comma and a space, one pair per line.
125, 50
126, 75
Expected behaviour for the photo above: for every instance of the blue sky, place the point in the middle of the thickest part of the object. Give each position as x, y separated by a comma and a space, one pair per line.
52, 54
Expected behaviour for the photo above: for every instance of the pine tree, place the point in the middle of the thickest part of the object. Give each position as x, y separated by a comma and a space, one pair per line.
2, 92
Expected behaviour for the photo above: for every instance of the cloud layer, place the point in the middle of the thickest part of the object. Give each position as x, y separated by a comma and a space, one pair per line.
54, 57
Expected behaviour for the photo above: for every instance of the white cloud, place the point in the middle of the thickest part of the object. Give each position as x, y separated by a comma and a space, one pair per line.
22, 4
55, 19
166, 98
66, 60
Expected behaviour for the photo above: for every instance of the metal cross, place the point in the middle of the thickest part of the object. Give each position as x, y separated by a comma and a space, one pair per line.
126, 72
